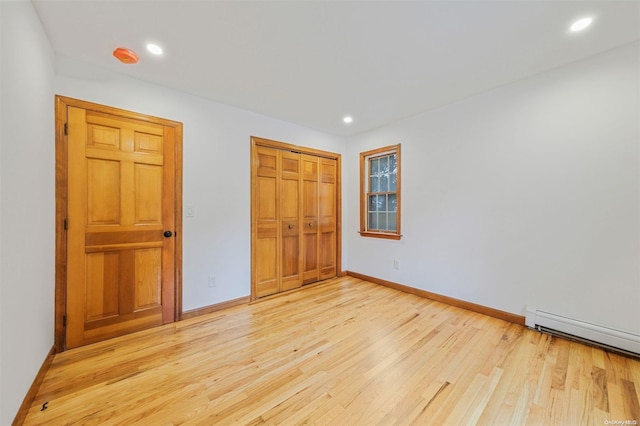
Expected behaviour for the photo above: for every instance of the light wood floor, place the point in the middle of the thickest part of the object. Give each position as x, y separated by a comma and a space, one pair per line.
345, 352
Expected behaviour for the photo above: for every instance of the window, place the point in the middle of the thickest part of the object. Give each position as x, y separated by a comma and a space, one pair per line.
380, 193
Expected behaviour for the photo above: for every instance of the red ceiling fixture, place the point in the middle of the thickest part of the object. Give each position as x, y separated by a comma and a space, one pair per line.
126, 56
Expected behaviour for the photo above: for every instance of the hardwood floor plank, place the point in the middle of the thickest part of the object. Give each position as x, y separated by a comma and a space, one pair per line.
345, 351
600, 392
630, 400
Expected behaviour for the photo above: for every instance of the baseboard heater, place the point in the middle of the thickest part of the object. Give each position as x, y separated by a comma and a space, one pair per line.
607, 338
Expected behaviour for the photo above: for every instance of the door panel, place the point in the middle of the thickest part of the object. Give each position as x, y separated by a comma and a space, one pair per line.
102, 286
103, 189
121, 198
148, 269
148, 194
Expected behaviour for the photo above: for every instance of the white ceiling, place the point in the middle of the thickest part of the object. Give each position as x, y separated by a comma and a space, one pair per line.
312, 62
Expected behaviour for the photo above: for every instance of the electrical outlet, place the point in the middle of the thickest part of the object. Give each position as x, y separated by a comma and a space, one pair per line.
396, 265
212, 282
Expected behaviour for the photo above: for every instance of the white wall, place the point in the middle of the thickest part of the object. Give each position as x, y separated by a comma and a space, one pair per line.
217, 241
524, 195
27, 203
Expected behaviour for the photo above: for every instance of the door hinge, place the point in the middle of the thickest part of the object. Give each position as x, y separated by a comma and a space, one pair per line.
66, 224
64, 320
66, 128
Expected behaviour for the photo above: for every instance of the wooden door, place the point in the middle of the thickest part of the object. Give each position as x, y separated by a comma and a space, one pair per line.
277, 262
319, 218
295, 216
121, 237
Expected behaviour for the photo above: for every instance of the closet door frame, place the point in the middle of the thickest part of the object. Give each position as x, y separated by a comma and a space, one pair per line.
261, 142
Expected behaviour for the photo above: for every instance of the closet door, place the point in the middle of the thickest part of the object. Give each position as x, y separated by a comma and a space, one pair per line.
277, 208
327, 200
294, 216
319, 218
310, 211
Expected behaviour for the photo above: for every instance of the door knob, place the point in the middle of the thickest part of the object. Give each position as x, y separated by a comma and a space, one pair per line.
290, 226
310, 224
167, 234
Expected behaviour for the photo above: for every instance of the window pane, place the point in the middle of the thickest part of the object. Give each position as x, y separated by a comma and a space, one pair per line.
393, 203
384, 165
393, 164
374, 167
383, 203
375, 184
373, 221
393, 222
384, 183
382, 221
393, 182
373, 203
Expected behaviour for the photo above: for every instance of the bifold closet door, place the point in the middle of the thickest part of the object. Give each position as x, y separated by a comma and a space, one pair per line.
277, 207
319, 212
294, 212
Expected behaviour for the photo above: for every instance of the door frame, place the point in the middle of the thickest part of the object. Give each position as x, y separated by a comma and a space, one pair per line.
256, 142
61, 149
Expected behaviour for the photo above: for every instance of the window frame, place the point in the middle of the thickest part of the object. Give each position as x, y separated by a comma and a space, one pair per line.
365, 167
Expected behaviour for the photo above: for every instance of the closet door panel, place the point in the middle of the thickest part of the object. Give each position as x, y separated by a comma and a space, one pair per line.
290, 258
310, 245
266, 229
327, 211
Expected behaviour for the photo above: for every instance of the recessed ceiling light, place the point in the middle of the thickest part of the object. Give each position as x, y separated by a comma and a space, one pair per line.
154, 48
581, 24
348, 119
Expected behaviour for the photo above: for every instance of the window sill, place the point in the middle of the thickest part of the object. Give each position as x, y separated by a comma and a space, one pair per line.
385, 235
